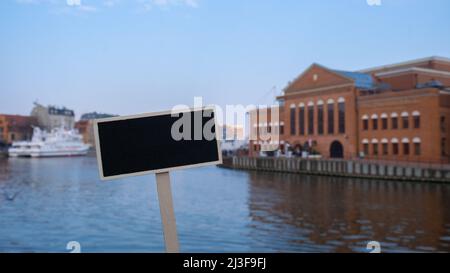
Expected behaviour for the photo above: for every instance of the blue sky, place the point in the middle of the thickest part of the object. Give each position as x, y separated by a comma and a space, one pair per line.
133, 56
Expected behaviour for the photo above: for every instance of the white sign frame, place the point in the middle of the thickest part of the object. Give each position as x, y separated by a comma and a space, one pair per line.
161, 113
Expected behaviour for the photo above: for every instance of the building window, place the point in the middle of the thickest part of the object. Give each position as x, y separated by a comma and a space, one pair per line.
282, 129
384, 123
374, 123
13, 137
310, 119
365, 124
320, 119
330, 118
443, 146
405, 120
442, 122
417, 122
417, 148
375, 148
385, 149
394, 122
341, 107
292, 121
366, 148
416, 119
406, 148
395, 148
301, 117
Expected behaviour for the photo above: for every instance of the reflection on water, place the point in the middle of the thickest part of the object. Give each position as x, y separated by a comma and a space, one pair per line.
340, 214
45, 203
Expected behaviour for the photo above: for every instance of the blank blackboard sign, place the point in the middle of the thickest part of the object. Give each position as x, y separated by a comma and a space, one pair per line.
143, 144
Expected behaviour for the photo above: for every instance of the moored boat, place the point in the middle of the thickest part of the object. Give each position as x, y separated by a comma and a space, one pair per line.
59, 142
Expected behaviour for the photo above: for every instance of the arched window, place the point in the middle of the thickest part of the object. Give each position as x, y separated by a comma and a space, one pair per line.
416, 119
395, 148
394, 120
330, 107
341, 117
320, 117
311, 118
405, 120
365, 122
301, 118
384, 121
365, 143
292, 121
375, 146
405, 143
417, 147
374, 122
385, 146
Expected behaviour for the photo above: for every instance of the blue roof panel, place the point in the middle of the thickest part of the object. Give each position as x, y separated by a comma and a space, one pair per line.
362, 80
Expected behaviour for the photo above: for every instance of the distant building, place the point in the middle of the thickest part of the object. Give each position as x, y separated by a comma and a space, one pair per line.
52, 117
85, 125
95, 115
232, 132
260, 126
398, 112
85, 128
16, 128
233, 139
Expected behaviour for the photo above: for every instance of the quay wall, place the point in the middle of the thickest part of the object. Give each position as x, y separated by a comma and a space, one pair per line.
346, 168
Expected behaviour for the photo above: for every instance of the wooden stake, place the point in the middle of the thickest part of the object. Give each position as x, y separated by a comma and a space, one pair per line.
167, 212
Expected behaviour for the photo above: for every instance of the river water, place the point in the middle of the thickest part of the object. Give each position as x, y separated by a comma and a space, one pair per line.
45, 203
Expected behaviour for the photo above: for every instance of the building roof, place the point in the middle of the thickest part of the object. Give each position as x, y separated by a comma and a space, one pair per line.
95, 115
362, 80
413, 70
407, 63
17, 121
52, 110
359, 79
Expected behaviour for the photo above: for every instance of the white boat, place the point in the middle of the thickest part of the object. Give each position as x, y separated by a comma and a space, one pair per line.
59, 142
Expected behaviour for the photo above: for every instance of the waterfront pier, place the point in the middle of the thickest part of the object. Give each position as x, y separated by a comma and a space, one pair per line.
346, 168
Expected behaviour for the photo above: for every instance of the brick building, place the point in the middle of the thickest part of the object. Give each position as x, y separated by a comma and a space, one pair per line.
85, 126
393, 112
16, 128
86, 129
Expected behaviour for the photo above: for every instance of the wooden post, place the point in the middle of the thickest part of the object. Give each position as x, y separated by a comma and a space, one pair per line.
167, 212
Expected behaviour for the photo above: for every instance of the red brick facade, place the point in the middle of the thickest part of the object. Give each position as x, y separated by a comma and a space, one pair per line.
16, 128
396, 112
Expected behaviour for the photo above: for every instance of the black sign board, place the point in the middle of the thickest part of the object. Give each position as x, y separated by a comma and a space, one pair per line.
156, 142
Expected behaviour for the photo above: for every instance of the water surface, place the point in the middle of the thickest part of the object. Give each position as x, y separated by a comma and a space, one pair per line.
45, 203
